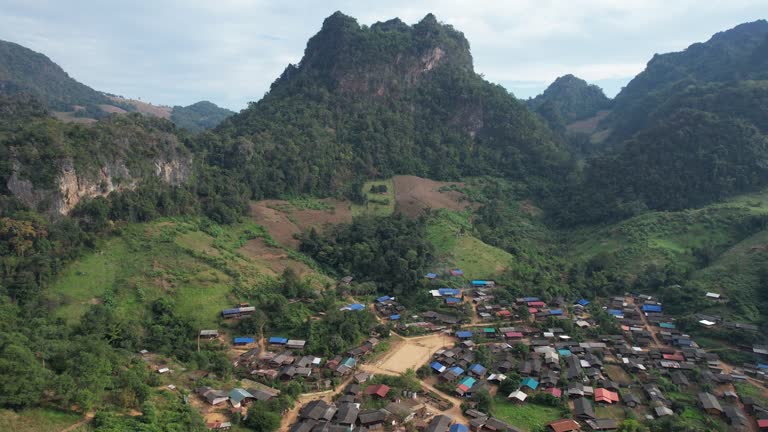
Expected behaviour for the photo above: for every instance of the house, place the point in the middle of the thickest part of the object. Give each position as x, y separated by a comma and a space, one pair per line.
478, 370
209, 334
213, 397
710, 404
606, 396
238, 395
239, 341
439, 423
295, 344
318, 410
346, 414
379, 390
583, 409
564, 425
276, 340
630, 400
406, 410
679, 378
605, 424
238, 312
517, 396
530, 383
372, 418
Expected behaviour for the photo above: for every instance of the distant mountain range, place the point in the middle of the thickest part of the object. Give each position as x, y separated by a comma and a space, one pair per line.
25, 71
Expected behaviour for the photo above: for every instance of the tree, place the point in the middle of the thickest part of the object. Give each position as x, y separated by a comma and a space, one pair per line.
261, 420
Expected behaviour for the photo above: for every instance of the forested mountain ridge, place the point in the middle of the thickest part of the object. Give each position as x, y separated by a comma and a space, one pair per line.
381, 100
571, 98
25, 71
687, 131
734, 55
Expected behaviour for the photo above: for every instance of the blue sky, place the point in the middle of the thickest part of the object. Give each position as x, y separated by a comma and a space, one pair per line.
177, 52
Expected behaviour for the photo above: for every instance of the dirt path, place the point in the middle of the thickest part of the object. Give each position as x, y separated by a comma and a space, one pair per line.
86, 419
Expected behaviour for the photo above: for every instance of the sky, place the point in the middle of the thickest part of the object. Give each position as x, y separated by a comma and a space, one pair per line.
177, 52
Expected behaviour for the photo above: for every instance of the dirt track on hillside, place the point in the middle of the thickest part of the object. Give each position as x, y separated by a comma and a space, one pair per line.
414, 194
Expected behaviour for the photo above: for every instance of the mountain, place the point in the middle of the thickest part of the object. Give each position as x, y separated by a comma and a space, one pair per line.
736, 55
571, 98
689, 130
375, 101
25, 71
199, 116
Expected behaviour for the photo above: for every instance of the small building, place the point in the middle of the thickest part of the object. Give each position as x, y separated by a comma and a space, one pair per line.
276, 340
379, 390
240, 341
517, 396
296, 344
564, 425
710, 404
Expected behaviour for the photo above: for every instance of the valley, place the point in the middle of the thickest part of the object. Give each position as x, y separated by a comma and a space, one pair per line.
387, 240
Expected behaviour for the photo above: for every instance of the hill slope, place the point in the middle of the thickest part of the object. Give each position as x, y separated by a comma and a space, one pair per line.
199, 116
383, 100
25, 71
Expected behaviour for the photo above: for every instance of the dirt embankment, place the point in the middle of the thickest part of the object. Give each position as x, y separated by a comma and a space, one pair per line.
414, 194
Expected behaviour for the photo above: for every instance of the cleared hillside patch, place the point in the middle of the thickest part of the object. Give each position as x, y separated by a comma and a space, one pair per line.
377, 203
450, 233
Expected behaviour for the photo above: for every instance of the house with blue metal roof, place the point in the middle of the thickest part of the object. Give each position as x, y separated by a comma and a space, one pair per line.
478, 369
530, 383
437, 367
651, 308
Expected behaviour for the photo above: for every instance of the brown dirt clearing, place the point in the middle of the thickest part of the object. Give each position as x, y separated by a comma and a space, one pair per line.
274, 258
414, 194
282, 220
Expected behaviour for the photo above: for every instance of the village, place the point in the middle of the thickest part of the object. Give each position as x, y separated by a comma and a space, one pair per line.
590, 364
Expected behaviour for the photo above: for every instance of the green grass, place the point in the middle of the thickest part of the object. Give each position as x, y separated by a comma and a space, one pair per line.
525, 416
449, 233
170, 258
668, 237
37, 420
378, 204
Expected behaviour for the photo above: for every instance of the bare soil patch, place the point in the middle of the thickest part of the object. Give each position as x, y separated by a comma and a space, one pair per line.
161, 111
411, 353
414, 194
283, 221
274, 258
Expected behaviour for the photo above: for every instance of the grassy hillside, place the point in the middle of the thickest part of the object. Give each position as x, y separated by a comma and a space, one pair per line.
197, 265
377, 204
664, 237
449, 232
